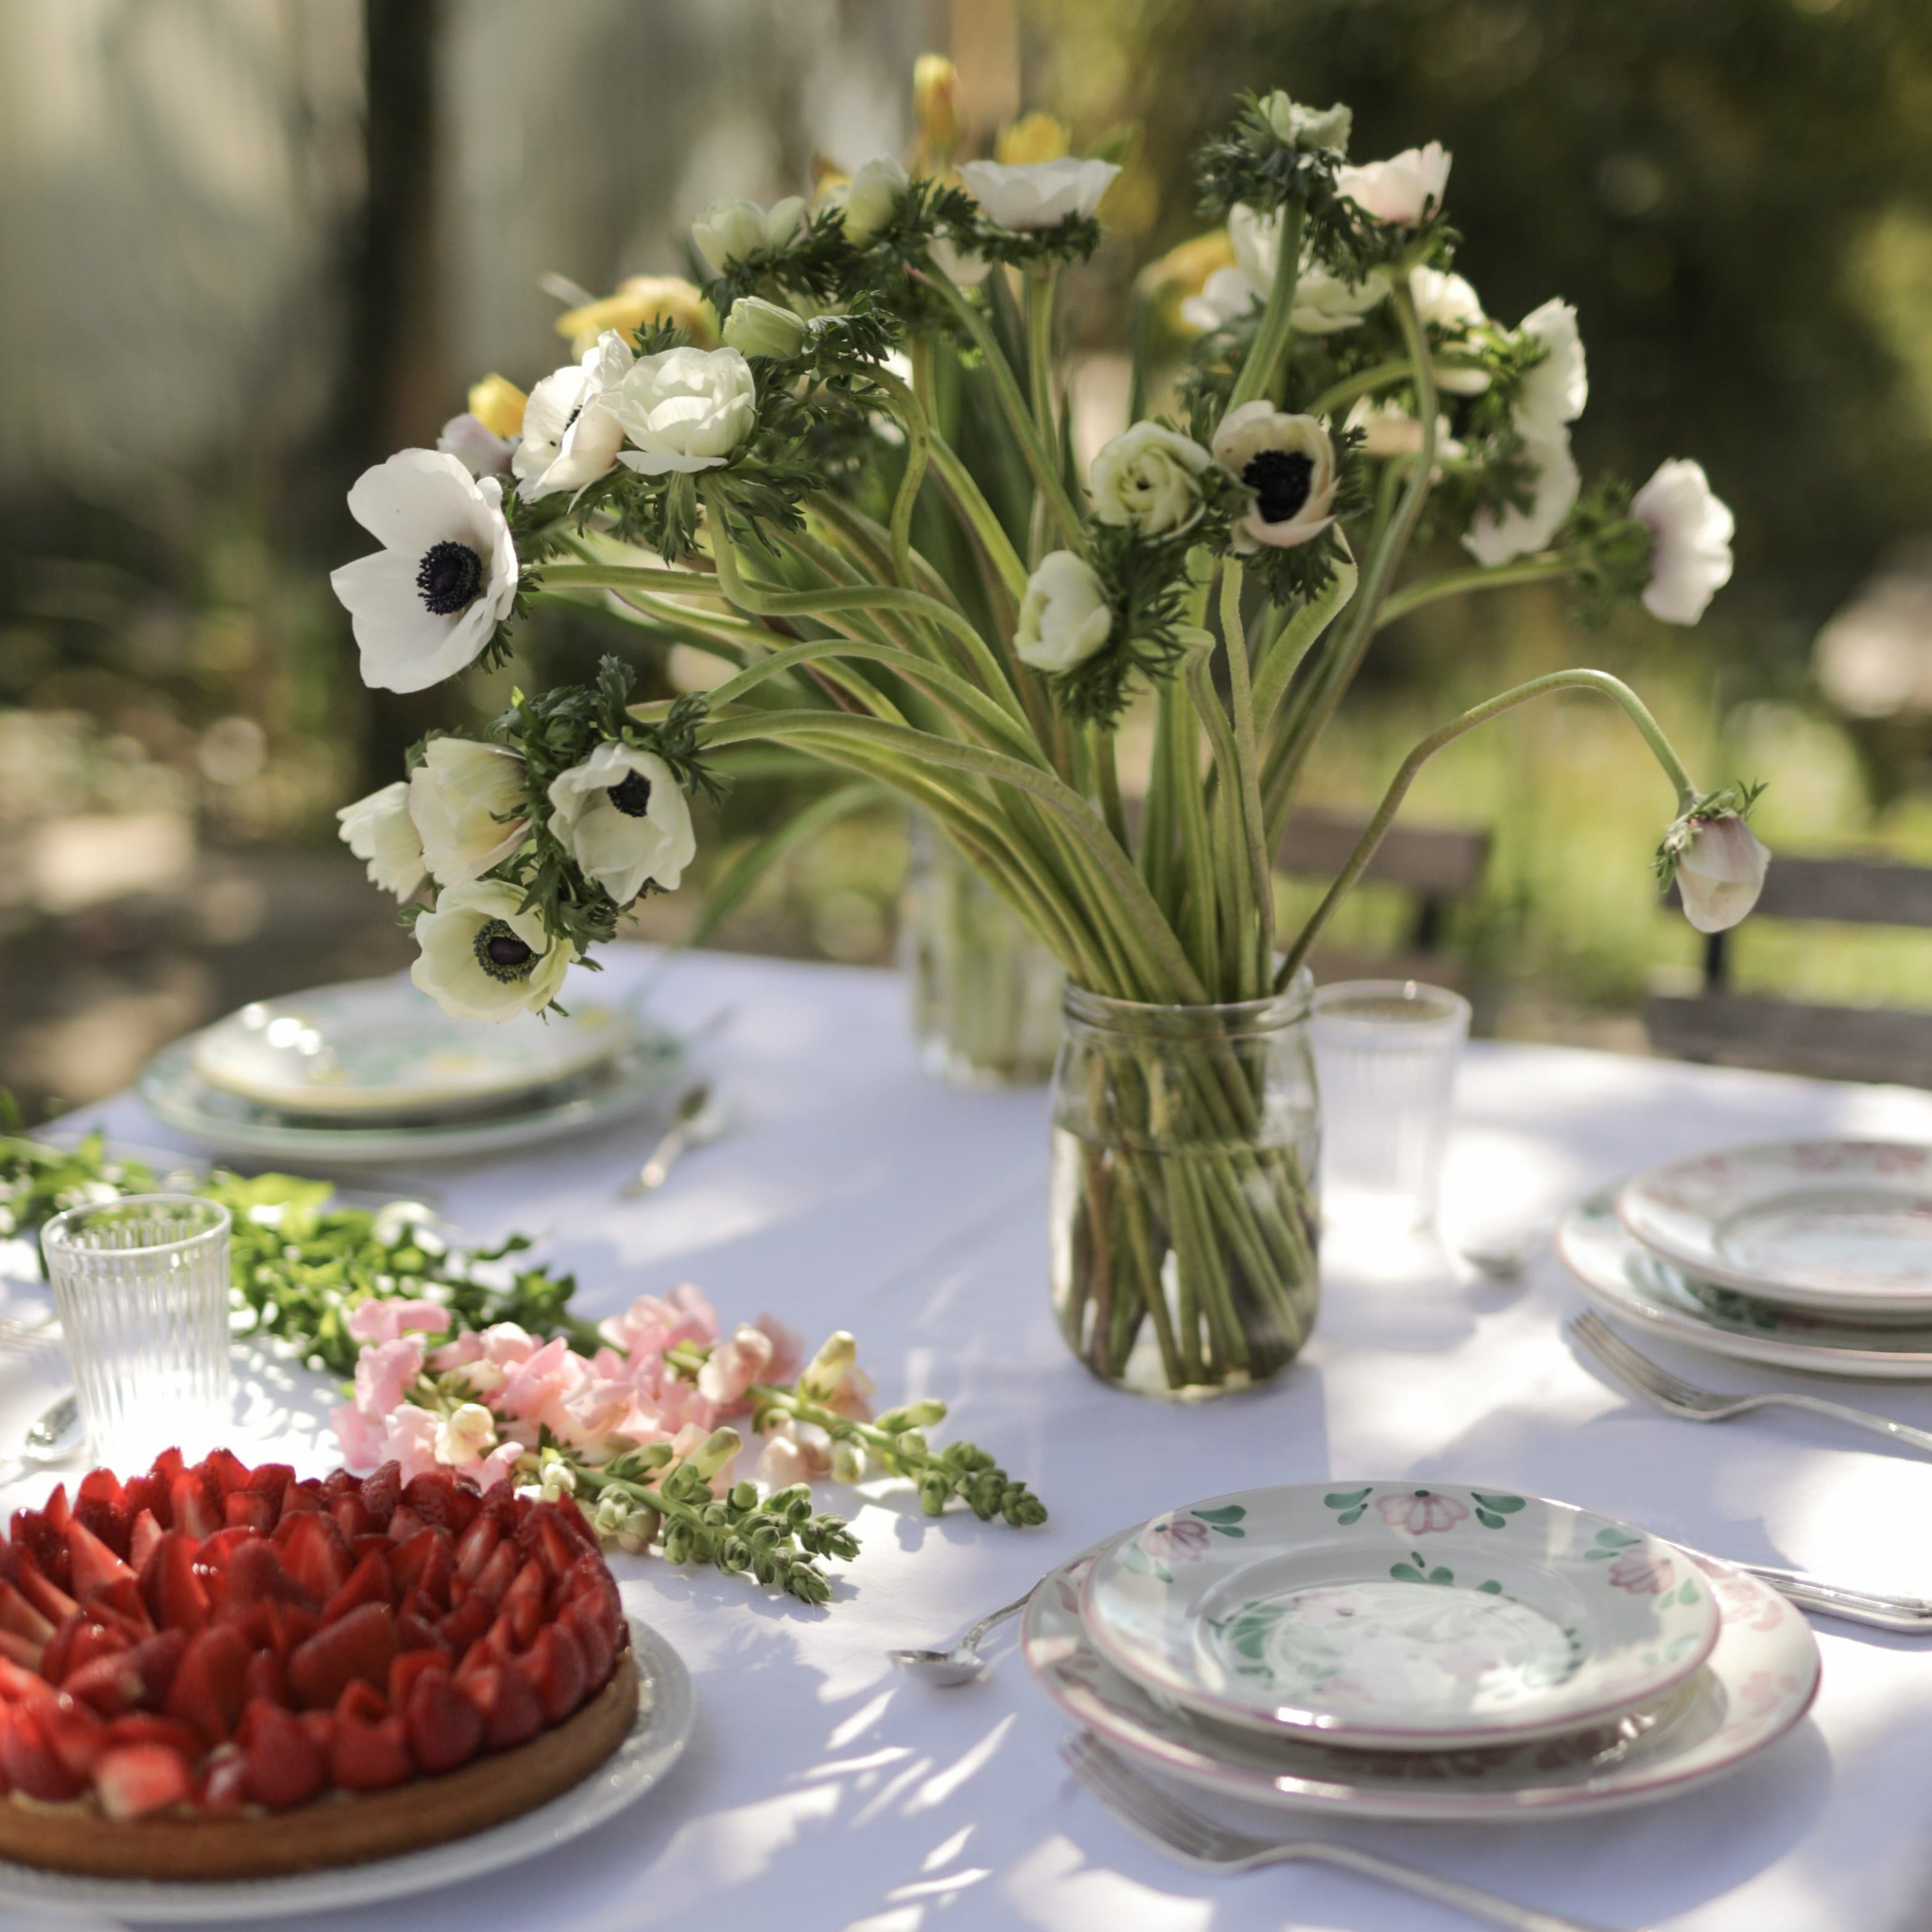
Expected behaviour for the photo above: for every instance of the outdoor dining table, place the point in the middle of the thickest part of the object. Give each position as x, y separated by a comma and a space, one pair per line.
823, 1788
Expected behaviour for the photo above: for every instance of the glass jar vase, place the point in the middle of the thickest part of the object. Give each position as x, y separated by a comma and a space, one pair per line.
985, 992
1183, 1206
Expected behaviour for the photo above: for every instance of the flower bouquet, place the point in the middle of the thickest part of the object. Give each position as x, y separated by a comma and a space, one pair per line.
775, 494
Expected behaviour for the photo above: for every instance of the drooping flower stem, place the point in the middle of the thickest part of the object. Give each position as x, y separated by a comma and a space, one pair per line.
1544, 569
1260, 373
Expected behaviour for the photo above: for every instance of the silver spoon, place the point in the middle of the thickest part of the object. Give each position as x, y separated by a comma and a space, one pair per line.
53, 1438
699, 1118
1504, 1257
943, 1668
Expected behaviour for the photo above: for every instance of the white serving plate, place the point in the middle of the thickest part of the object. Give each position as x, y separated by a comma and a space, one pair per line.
1629, 1282
369, 1050
1759, 1681
1835, 1227
665, 1710
1400, 1615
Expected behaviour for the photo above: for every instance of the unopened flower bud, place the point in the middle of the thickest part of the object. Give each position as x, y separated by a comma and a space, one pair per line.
744, 1495
756, 327
715, 1451
638, 1531
848, 1462
1720, 864
935, 94
497, 403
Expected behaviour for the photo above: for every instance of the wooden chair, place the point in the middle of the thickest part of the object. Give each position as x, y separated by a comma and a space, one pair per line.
1733, 1029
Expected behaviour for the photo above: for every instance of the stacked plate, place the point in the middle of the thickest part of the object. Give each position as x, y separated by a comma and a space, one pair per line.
1390, 1650
374, 1070
1814, 1254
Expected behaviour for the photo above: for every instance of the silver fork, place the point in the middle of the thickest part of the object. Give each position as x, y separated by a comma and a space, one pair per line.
1675, 1396
1179, 1829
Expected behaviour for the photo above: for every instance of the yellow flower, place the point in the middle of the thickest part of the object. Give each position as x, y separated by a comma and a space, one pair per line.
640, 299
1184, 269
935, 94
1033, 137
497, 403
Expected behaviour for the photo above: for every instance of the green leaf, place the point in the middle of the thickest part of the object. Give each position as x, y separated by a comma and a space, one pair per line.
1440, 1575
1351, 1516
1491, 1588
1406, 1573
1226, 1513
1503, 1505
1346, 1499
1488, 1521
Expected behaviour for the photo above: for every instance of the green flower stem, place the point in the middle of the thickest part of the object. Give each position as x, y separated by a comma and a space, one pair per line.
1381, 376
1232, 899
1039, 285
1157, 857
1614, 688
1195, 878
1040, 459
868, 545
1247, 767
1107, 772
958, 483
913, 419
1541, 569
818, 566
1281, 654
1260, 374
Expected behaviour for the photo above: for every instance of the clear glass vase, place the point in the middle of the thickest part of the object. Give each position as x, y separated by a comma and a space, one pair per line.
1183, 1206
985, 992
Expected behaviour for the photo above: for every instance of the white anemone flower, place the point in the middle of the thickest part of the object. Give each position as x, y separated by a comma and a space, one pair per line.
482, 957
1690, 529
728, 231
1324, 302
1149, 476
1064, 618
620, 814
570, 437
1402, 190
685, 409
380, 832
1288, 462
466, 799
1492, 537
1720, 867
1037, 194
869, 198
1447, 304
476, 446
965, 268
1309, 129
1554, 392
424, 605
1226, 294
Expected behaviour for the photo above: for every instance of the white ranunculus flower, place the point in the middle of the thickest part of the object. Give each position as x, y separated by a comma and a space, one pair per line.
1402, 190
1720, 869
1148, 477
466, 799
426, 603
1690, 529
756, 327
1289, 464
483, 958
1554, 392
1308, 128
479, 449
1063, 618
684, 410
728, 231
570, 436
1492, 539
380, 832
869, 198
1037, 194
621, 816
1448, 305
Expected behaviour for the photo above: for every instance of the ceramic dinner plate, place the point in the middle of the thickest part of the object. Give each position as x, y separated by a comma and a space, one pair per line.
664, 1714
1629, 1282
1835, 1227
1759, 1680
1398, 1616
369, 1050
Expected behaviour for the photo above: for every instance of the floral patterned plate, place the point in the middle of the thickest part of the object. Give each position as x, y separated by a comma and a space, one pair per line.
1760, 1679
1836, 1227
1626, 1281
1396, 1616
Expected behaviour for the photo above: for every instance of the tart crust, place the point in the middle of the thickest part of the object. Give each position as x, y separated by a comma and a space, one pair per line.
340, 1829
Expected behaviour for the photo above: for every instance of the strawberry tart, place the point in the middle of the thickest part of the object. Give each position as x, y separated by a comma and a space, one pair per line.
215, 1672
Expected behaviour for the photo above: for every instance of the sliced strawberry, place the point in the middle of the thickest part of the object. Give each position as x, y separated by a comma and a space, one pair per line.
168, 1464
149, 1493
320, 1725
19, 1650
590, 1580
107, 1521
497, 1576
407, 1667
207, 1691
93, 1564
224, 1779
364, 1700
542, 1538
404, 1523
54, 1654
215, 1552
144, 1727
158, 1658
249, 1509
368, 1583
20, 1617
507, 1704
175, 1592
554, 1665
417, 1629
381, 1492
272, 1479
316, 1552
475, 1547
28, 1759
600, 1653
523, 1602
74, 1732
108, 1684
301, 1498
89, 1640
282, 1763
143, 1534
55, 1508
444, 1728
367, 1755
425, 1562
290, 1626
19, 1685
255, 1573
350, 1515
463, 1627
571, 1519
130, 1781
34, 1582
120, 1606
480, 1656
340, 1483
362, 1644
224, 1471
101, 1486
265, 1678
193, 1511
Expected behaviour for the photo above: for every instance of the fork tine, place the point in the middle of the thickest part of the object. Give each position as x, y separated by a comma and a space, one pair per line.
1596, 1337
1176, 1828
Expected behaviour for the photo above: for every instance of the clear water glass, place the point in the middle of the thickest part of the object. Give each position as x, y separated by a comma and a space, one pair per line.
1385, 1053
141, 1287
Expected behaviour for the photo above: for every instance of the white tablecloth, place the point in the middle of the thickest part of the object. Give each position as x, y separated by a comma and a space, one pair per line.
823, 1790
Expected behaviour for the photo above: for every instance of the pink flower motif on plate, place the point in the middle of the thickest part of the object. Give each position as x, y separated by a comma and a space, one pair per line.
1180, 1539
1641, 1573
1419, 1511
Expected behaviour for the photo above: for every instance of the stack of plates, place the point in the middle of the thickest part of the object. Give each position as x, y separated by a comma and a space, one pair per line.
1814, 1254
374, 1070
1389, 1651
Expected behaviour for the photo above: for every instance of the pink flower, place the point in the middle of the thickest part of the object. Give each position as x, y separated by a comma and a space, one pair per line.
385, 1373
499, 1466
650, 1326
789, 1456
487, 1358
386, 1321
1419, 1511
734, 1365
410, 1439
539, 1391
1180, 1539
1641, 1573
362, 1437
788, 1349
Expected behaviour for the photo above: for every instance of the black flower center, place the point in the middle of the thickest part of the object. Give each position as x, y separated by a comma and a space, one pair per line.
568, 420
633, 797
451, 576
501, 954
1280, 480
